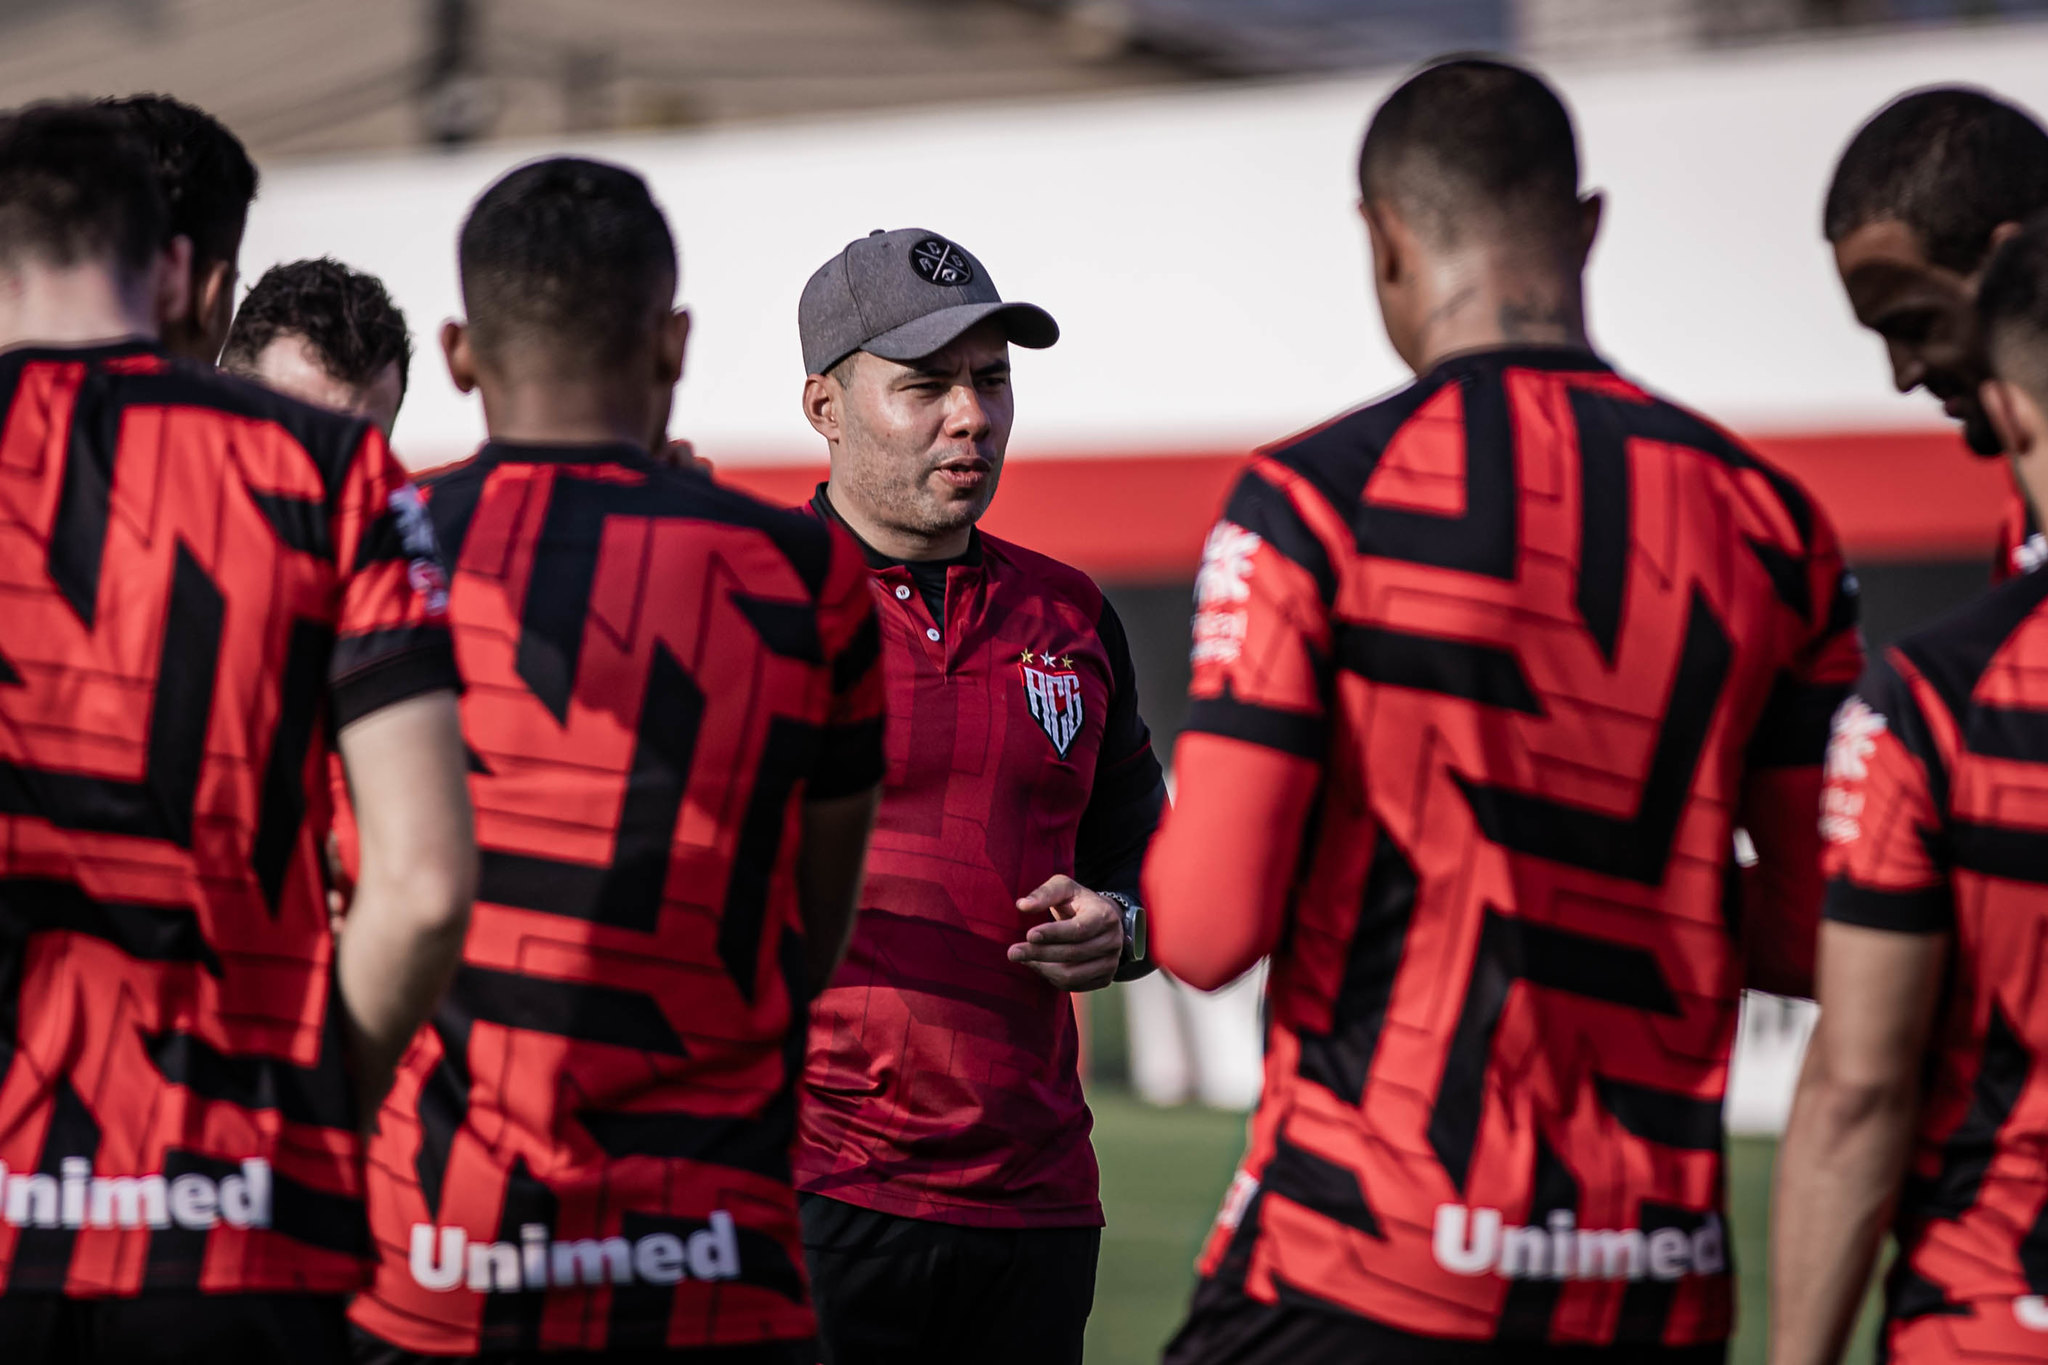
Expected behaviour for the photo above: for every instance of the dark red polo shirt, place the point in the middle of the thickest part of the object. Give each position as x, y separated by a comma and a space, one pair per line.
943, 1079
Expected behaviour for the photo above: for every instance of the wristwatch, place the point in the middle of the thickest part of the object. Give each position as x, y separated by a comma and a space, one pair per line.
1134, 936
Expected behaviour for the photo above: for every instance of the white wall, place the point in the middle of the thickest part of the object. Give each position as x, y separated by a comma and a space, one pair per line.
1199, 247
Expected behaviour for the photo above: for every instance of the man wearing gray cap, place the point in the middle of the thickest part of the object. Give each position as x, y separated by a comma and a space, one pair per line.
949, 1203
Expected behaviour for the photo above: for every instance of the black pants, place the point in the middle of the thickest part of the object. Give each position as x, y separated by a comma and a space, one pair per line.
175, 1329
901, 1291
370, 1350
1226, 1328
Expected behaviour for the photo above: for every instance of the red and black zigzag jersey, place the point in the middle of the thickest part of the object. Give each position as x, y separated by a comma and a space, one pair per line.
590, 1146
203, 581
943, 1081
1936, 816
1518, 637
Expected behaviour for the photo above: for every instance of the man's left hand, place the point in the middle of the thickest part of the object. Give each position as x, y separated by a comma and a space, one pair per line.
1081, 947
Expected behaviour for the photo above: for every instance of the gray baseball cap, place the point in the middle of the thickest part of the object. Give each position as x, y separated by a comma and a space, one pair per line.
903, 295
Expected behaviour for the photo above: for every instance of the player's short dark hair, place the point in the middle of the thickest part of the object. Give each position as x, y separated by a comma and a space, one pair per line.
1950, 163
1472, 137
76, 185
346, 316
569, 255
208, 179
2012, 306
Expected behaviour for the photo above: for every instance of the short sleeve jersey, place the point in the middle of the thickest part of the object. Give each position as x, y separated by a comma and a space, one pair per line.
1936, 816
944, 1079
1529, 628
589, 1148
203, 581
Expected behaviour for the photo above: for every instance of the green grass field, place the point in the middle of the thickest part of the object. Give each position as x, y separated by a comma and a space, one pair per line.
1163, 1171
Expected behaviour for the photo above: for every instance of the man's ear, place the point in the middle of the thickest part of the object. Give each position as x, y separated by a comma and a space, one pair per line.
456, 351
1384, 235
172, 288
2013, 415
213, 302
672, 347
2000, 235
1592, 210
822, 397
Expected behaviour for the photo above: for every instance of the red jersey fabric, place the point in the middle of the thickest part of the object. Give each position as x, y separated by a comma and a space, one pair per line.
589, 1148
943, 1079
1936, 814
204, 580
1522, 637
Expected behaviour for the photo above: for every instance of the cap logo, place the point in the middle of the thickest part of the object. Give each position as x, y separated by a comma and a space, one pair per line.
938, 261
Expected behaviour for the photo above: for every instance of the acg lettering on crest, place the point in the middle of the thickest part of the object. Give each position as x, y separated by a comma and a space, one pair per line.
1052, 694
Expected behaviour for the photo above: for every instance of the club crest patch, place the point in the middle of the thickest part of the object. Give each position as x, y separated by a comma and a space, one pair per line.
938, 261
1052, 693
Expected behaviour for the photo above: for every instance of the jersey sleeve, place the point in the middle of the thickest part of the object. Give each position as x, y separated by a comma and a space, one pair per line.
850, 757
1130, 790
1793, 730
1251, 757
1781, 789
1260, 660
1880, 815
391, 627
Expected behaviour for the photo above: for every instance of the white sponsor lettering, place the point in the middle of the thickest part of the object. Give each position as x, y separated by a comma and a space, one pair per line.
444, 1258
1481, 1242
1853, 740
2031, 1312
1226, 572
1218, 637
1850, 745
1243, 1186
2029, 555
79, 1199
416, 536
1222, 588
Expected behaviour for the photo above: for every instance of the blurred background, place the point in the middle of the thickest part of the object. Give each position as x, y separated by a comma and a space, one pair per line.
1173, 180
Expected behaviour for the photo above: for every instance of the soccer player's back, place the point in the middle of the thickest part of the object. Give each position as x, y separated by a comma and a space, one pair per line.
673, 715
1486, 676
205, 582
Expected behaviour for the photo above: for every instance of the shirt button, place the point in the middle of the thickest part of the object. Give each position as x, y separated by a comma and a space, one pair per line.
931, 634
902, 593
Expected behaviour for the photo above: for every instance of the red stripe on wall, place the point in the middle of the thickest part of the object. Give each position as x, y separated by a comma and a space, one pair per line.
1898, 495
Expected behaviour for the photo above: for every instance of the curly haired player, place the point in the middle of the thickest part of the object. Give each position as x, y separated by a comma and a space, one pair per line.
325, 334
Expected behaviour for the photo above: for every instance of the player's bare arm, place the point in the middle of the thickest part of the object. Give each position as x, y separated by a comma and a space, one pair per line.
1218, 901
1851, 1132
403, 935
